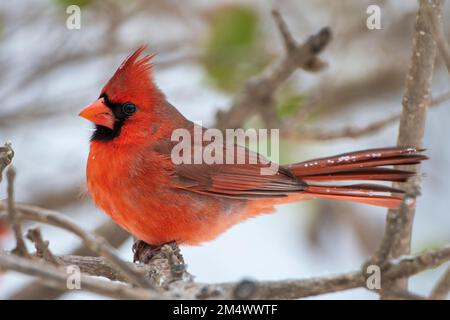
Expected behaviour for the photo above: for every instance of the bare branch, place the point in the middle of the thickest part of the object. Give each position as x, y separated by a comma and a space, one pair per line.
57, 277
352, 132
6, 155
42, 250
285, 289
288, 40
403, 295
21, 248
288, 289
100, 267
162, 269
295, 289
177, 267
95, 243
347, 132
109, 230
393, 229
442, 288
416, 100
437, 30
258, 93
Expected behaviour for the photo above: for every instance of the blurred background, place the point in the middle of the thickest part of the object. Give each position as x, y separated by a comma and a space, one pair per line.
206, 50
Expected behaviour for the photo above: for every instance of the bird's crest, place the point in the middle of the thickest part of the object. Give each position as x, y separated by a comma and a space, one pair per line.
133, 74
135, 65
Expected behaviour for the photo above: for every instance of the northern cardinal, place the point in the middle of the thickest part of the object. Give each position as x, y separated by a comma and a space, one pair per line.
131, 176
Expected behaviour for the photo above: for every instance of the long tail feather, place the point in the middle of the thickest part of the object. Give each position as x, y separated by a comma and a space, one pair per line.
362, 166
379, 174
390, 202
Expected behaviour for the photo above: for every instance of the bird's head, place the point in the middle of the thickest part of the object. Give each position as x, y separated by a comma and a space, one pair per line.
127, 100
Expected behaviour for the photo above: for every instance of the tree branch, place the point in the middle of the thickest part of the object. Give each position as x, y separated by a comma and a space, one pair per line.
295, 289
435, 19
415, 102
442, 288
21, 248
108, 230
57, 277
95, 243
162, 269
42, 249
352, 132
288, 40
6, 155
258, 93
187, 289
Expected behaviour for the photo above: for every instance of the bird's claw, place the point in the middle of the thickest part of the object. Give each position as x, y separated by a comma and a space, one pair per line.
143, 252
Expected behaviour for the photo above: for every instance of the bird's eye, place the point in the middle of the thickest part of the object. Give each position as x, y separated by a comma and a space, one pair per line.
129, 108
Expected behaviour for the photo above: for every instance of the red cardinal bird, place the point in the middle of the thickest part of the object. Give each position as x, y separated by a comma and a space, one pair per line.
131, 176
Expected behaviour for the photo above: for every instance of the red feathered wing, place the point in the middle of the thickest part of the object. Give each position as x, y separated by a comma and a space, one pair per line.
246, 182
236, 180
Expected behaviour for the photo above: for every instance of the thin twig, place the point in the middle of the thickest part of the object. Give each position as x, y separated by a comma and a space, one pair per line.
95, 243
58, 277
100, 267
352, 132
41, 245
258, 93
109, 230
165, 267
346, 132
6, 155
438, 33
288, 40
21, 248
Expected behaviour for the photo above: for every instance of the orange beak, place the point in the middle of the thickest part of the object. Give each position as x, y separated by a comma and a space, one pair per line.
99, 113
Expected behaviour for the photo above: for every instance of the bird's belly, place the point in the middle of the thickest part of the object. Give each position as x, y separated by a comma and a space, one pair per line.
182, 216
168, 214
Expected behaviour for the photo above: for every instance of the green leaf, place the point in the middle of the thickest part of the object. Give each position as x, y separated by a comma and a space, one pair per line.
233, 49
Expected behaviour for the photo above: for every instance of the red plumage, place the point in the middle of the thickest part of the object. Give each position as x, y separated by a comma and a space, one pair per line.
131, 177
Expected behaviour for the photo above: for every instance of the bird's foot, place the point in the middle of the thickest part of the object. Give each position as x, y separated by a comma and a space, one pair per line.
144, 252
